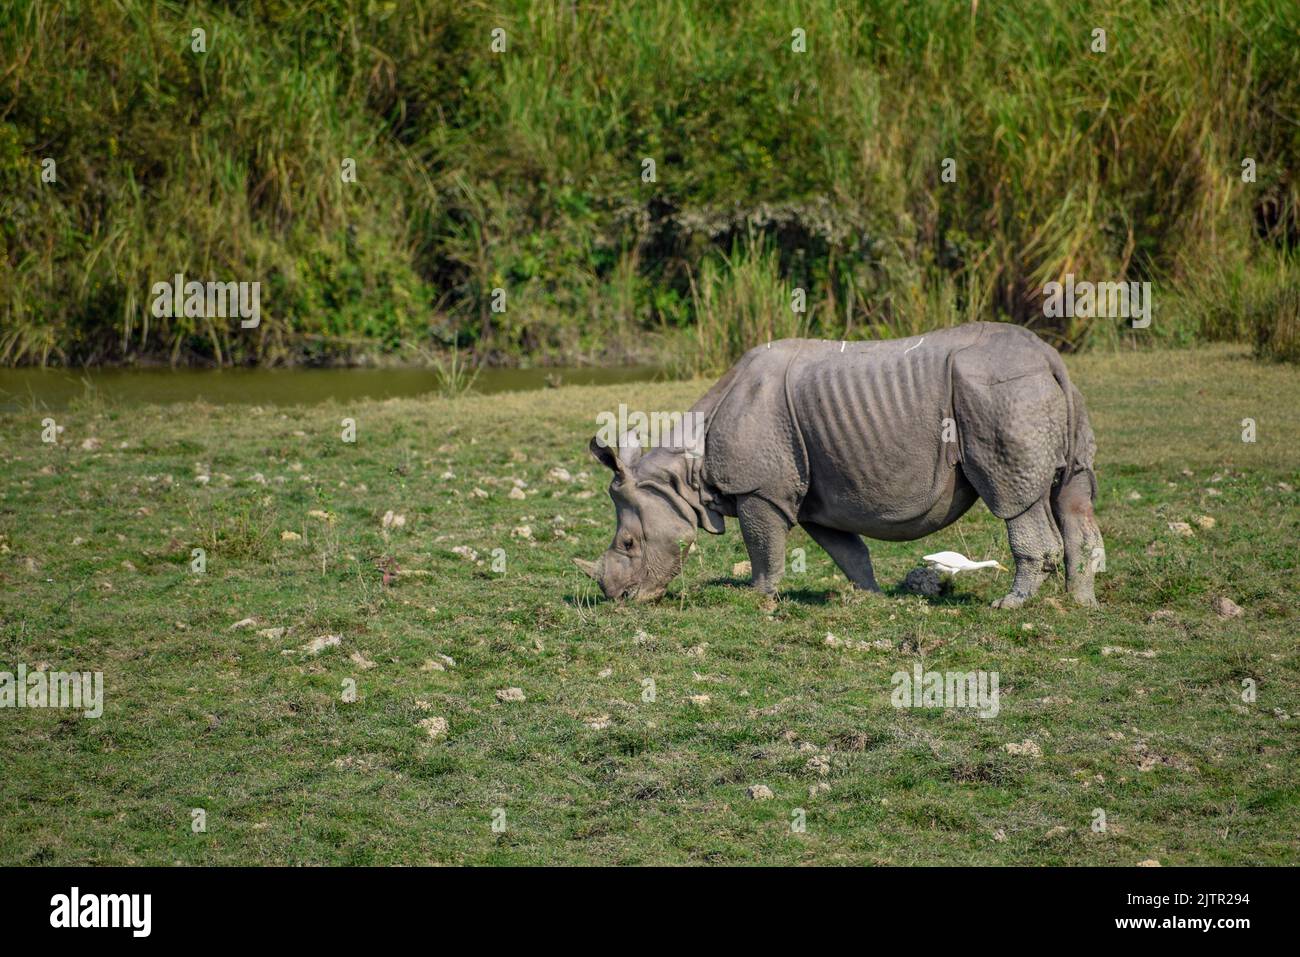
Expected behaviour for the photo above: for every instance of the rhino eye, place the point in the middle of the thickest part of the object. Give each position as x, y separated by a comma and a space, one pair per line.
627, 543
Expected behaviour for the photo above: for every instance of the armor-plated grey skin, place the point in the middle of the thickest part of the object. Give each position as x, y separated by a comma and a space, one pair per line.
890, 439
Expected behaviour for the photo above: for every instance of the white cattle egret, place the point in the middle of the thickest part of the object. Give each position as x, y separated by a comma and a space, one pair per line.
954, 562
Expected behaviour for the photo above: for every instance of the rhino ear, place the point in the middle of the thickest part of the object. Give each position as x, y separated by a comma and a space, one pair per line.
605, 455
629, 448
617, 460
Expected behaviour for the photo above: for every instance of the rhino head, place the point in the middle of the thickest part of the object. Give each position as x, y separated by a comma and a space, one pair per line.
657, 511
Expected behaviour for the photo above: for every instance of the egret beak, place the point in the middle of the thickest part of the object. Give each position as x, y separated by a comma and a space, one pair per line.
1001, 567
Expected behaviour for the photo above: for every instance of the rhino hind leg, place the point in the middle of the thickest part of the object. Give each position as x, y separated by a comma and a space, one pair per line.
1012, 452
1084, 549
764, 529
848, 551
1036, 546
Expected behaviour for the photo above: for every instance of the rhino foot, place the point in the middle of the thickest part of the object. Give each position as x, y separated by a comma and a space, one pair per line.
1008, 601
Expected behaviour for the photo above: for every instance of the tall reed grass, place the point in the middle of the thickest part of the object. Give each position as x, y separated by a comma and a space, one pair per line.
522, 170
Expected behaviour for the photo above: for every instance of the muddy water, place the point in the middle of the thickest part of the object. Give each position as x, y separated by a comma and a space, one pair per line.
55, 388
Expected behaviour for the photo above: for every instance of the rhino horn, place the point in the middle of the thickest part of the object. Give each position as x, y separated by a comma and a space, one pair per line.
591, 568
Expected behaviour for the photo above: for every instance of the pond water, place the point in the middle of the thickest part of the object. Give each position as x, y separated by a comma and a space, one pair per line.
54, 388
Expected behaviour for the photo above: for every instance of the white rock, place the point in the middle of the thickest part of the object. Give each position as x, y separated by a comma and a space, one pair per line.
1026, 747
434, 727
317, 645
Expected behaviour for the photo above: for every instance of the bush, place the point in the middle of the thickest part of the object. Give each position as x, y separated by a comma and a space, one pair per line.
522, 170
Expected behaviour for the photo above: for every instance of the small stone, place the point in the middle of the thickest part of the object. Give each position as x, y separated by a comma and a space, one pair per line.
1181, 528
999, 835
516, 493
1056, 832
1134, 496
317, 645
558, 474
510, 694
699, 700
760, 792
1226, 607
741, 568
522, 531
243, 623
1149, 862
272, 633
392, 520
819, 765
1026, 748
1205, 521
287, 536
434, 727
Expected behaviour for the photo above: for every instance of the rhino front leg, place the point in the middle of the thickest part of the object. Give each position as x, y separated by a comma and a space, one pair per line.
1036, 547
764, 529
848, 551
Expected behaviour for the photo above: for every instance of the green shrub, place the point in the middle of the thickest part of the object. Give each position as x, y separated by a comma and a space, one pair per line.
522, 170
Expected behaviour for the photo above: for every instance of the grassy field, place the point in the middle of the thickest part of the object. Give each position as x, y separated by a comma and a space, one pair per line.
1141, 717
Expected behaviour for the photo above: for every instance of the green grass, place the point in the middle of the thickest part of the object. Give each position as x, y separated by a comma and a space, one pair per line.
521, 170
255, 731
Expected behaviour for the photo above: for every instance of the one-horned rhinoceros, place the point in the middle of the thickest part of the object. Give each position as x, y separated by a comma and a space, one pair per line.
889, 439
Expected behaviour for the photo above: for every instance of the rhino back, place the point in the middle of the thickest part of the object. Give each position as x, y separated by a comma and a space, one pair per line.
872, 416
